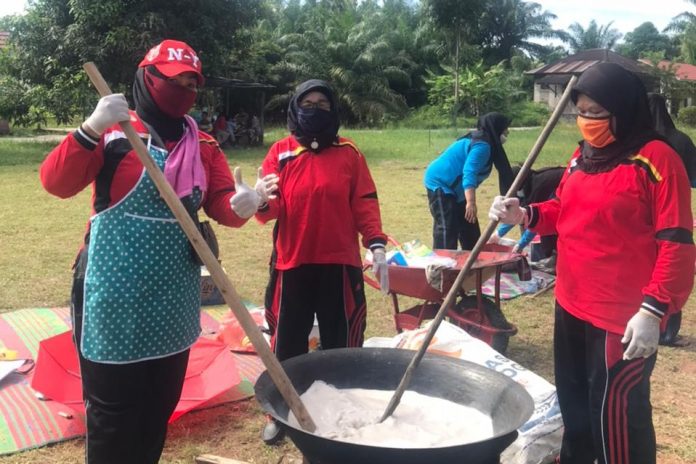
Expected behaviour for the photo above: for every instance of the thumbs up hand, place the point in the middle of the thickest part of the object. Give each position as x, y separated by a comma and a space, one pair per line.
246, 200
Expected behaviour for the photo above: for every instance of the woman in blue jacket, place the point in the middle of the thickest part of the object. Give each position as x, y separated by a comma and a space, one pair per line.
452, 178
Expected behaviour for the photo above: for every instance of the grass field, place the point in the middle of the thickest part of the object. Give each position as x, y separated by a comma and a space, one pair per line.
39, 235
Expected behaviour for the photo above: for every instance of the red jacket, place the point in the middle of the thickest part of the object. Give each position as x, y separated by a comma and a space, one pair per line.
325, 199
220, 123
624, 238
113, 168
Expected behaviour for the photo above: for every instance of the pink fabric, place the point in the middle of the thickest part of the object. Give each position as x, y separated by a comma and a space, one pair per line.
184, 169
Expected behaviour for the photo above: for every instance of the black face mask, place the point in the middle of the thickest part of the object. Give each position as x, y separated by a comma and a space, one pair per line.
313, 128
313, 121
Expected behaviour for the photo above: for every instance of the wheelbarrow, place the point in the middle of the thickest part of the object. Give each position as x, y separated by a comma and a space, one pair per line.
478, 315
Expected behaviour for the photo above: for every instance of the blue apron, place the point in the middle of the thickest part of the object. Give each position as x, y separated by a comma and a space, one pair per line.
142, 288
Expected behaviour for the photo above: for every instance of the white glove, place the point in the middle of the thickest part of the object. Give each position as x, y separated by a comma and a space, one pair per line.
642, 335
246, 201
110, 110
266, 186
381, 269
507, 211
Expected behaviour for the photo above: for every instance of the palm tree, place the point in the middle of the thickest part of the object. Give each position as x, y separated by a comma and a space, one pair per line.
509, 25
458, 20
682, 20
595, 36
688, 44
684, 24
364, 54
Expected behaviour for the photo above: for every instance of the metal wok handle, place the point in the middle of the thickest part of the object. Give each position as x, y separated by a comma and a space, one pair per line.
452, 294
275, 370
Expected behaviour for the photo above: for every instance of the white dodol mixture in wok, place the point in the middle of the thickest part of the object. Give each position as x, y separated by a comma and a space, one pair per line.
420, 421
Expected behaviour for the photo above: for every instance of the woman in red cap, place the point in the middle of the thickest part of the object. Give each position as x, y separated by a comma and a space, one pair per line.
136, 296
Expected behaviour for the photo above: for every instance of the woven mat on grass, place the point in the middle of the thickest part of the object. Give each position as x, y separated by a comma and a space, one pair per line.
512, 287
26, 422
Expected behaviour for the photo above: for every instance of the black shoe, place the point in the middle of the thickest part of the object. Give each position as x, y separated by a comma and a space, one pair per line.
272, 433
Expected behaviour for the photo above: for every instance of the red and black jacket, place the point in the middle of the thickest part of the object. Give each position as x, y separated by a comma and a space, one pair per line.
624, 238
112, 167
325, 200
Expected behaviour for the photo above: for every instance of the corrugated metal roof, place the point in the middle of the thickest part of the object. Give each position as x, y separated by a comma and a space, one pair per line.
576, 64
214, 81
553, 79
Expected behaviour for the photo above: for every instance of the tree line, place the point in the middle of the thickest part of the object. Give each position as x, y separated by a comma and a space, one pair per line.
386, 59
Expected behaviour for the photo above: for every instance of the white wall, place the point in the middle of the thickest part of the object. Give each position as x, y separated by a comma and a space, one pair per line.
551, 95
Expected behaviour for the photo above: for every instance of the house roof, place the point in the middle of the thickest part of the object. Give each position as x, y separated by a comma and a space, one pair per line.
4, 39
682, 71
224, 82
554, 79
576, 64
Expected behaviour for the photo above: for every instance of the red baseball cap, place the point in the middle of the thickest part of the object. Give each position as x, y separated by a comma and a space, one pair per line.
172, 57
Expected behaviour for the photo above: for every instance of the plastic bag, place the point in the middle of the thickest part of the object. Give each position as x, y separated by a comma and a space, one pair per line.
232, 334
539, 439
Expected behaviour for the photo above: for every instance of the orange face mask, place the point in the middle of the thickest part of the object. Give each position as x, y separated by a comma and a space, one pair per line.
596, 132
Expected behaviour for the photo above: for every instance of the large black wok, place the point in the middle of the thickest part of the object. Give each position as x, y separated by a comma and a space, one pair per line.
507, 402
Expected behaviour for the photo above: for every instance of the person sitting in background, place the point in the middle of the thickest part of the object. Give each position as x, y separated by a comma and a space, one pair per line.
220, 130
452, 178
196, 115
682, 144
241, 122
205, 124
232, 129
255, 130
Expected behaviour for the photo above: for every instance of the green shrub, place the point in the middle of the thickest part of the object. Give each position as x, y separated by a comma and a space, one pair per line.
687, 116
523, 114
527, 113
432, 117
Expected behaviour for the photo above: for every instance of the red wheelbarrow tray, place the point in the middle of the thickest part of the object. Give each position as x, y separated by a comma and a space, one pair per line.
412, 282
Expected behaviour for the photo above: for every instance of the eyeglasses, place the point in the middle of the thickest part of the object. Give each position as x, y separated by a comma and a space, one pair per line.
321, 104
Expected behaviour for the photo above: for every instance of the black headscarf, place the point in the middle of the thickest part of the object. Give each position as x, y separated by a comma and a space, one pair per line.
663, 124
489, 128
540, 184
662, 121
315, 140
168, 128
622, 94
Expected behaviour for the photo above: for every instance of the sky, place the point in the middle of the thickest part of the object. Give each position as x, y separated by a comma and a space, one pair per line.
8, 7
626, 14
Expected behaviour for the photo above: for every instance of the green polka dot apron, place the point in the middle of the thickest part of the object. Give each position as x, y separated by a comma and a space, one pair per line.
142, 287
